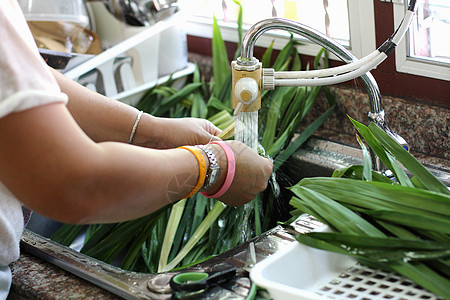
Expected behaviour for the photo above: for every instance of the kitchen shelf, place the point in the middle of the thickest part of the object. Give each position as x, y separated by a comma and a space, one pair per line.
133, 96
125, 45
142, 68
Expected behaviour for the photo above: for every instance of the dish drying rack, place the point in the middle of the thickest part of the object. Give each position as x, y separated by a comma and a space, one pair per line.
107, 62
327, 275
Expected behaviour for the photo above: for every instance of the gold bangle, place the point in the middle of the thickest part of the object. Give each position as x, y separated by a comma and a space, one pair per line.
201, 169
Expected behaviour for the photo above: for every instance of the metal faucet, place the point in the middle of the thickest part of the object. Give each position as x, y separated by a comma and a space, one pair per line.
247, 64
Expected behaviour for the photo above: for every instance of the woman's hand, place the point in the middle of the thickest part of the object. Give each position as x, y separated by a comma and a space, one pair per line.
251, 176
164, 133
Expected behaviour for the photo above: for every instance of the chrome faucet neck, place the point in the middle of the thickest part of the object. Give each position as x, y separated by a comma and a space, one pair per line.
376, 113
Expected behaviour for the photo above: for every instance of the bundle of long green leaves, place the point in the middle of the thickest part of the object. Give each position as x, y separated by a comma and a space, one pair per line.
401, 225
197, 228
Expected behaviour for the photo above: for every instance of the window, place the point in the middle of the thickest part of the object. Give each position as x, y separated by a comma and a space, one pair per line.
350, 22
426, 49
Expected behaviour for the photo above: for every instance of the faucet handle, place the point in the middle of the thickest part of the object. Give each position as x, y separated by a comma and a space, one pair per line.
238, 108
379, 118
398, 138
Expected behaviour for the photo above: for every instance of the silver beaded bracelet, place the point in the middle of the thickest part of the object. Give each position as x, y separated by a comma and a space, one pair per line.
133, 131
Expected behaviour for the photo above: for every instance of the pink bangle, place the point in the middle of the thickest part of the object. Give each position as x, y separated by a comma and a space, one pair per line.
231, 169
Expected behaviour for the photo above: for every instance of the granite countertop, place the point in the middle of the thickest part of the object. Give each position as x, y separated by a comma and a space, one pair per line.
34, 278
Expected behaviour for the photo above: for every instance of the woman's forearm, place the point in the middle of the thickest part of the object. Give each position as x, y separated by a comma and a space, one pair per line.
102, 118
54, 168
64, 175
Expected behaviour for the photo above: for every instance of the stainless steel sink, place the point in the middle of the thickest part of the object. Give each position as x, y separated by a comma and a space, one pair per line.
132, 285
318, 158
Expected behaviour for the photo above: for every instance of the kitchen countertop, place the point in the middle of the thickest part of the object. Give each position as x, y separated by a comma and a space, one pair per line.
35, 279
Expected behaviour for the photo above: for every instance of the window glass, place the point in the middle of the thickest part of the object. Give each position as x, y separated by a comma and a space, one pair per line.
425, 51
430, 34
327, 16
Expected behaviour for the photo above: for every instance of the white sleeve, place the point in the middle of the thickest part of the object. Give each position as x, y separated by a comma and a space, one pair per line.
25, 79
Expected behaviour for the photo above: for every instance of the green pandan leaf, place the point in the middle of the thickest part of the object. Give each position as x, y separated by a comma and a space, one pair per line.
408, 161
221, 65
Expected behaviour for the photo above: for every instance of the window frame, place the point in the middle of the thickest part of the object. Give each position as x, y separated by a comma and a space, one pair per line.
362, 33
426, 90
411, 65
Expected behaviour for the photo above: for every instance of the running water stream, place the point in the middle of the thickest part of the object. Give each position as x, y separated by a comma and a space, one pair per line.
246, 131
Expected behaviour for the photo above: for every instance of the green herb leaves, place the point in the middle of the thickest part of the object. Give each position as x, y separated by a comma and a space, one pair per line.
400, 225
